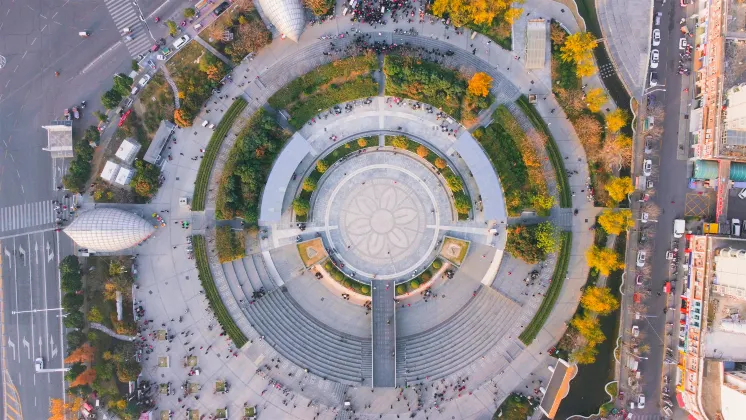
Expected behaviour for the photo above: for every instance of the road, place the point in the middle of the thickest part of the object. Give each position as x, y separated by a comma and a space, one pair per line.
39, 39
670, 184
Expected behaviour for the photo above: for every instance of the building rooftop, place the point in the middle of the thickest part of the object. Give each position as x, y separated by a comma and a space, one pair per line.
110, 171
127, 150
60, 139
279, 178
557, 388
536, 43
108, 230
124, 176
159, 142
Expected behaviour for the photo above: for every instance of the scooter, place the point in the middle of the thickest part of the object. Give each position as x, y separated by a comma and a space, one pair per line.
157, 19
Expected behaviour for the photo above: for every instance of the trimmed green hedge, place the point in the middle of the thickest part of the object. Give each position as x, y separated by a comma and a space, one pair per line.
211, 291
345, 281
550, 298
211, 153
552, 149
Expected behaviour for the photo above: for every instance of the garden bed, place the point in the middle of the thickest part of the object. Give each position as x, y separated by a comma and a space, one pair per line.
517, 163
211, 291
156, 104
230, 244
461, 198
312, 251
325, 86
196, 73
345, 281
211, 153
454, 250
550, 297
248, 166
249, 34
431, 83
403, 289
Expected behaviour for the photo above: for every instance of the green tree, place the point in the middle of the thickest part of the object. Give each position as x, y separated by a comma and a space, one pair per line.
172, 28
101, 116
72, 302
94, 315
75, 339
110, 99
135, 66
145, 181
301, 206
321, 166
74, 320
454, 182
413, 284
75, 369
189, 12
122, 84
309, 184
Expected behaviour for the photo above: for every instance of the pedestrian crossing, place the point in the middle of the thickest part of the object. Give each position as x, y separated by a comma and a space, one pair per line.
126, 15
28, 215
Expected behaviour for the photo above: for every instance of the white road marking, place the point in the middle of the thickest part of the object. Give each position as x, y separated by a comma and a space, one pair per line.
13, 346
50, 253
33, 311
97, 59
26, 344
32, 42
45, 27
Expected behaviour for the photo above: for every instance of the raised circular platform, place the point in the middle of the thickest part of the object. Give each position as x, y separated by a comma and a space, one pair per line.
382, 212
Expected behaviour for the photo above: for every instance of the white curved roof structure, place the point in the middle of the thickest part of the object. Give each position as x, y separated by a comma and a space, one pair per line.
108, 230
286, 15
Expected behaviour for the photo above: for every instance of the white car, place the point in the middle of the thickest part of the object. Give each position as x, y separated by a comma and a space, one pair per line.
641, 258
144, 81
38, 364
655, 58
647, 167
638, 280
635, 331
641, 401
656, 37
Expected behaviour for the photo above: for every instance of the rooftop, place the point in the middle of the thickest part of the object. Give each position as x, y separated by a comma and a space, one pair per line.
536, 43
124, 176
279, 178
108, 229
59, 139
127, 150
159, 142
557, 388
110, 171
286, 15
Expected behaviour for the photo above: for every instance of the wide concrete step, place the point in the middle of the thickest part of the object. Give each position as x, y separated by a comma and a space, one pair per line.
248, 264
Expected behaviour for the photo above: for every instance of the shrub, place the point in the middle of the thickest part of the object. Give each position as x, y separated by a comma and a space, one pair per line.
365, 289
437, 264
321, 166
229, 243
362, 142
309, 184
401, 289
422, 151
463, 205
301, 206
414, 284
454, 182
400, 142
426, 276
440, 163
189, 12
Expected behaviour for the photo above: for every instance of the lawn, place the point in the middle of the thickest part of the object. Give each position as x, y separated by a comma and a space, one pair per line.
163, 362
454, 249
248, 31
211, 291
428, 82
196, 73
156, 101
550, 297
311, 252
213, 148
325, 86
517, 163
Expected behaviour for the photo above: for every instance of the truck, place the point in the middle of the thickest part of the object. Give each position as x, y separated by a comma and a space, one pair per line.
679, 225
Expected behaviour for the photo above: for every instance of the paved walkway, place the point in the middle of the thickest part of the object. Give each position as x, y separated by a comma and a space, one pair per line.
111, 333
278, 63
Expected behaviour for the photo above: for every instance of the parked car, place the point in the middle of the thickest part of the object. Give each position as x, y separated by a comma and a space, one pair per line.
641, 401
221, 8
653, 79
657, 18
144, 81
151, 64
635, 331
736, 227
641, 254
649, 145
655, 58
38, 364
638, 280
647, 167
656, 37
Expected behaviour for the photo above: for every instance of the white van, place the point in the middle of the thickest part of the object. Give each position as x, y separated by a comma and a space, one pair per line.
181, 42
678, 228
736, 227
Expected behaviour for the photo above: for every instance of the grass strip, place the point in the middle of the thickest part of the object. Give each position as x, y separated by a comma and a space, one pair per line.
552, 149
211, 153
550, 298
211, 291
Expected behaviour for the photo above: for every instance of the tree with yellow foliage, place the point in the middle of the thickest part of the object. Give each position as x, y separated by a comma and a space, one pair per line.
615, 222
59, 410
440, 163
599, 300
182, 118
595, 99
619, 188
604, 260
422, 151
584, 355
616, 120
578, 47
588, 327
512, 14
480, 84
479, 12
585, 67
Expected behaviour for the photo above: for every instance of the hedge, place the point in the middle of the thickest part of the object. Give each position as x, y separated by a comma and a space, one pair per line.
211, 153
550, 298
552, 149
211, 291
345, 281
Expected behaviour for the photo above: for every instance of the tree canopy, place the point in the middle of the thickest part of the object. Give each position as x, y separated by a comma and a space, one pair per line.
604, 260
480, 84
619, 188
599, 300
616, 120
615, 222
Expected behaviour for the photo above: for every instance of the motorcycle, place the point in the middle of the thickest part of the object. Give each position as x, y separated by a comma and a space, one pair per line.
157, 19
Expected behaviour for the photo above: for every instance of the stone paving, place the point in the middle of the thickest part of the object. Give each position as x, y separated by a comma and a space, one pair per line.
164, 275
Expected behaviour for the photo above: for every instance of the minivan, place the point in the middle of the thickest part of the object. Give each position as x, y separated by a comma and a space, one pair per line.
657, 20
181, 41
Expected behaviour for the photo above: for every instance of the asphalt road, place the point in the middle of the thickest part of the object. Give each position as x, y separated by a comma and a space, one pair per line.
38, 39
670, 181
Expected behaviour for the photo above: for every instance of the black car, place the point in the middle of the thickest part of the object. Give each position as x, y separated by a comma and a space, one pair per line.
221, 8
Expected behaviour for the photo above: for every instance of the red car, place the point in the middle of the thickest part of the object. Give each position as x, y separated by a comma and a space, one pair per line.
684, 3
124, 118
